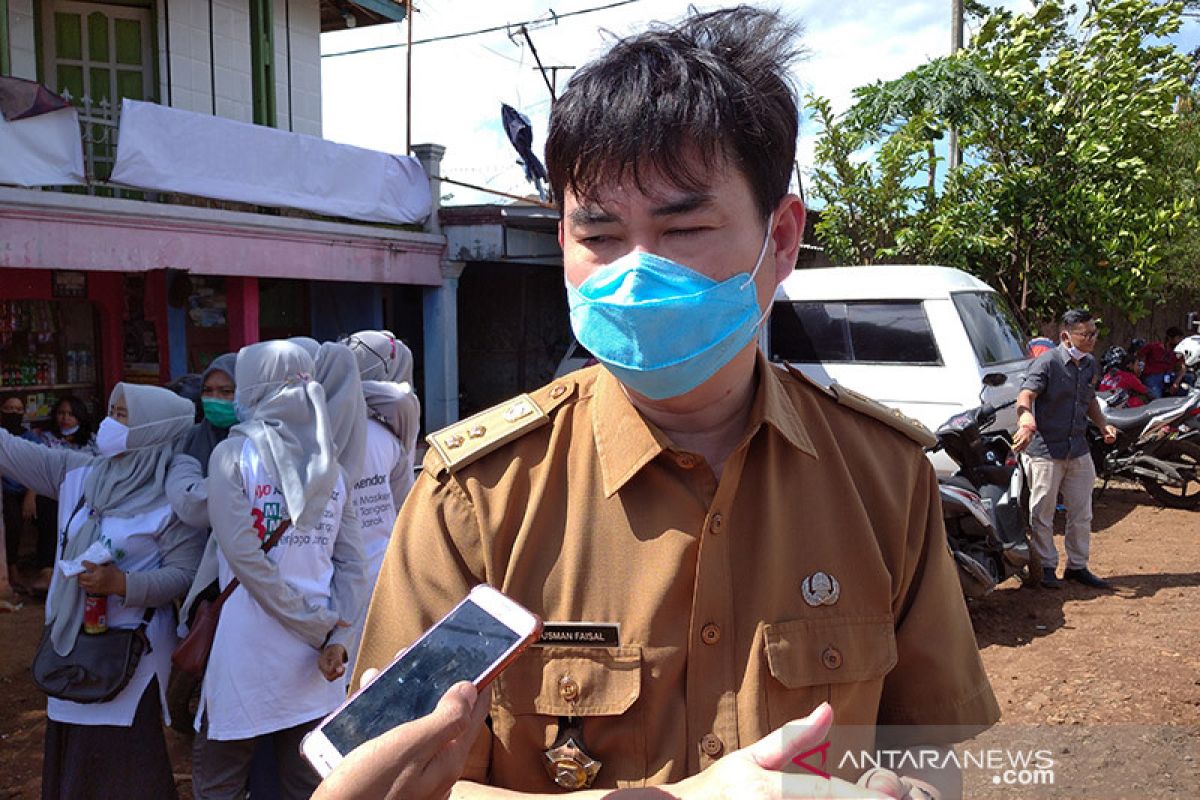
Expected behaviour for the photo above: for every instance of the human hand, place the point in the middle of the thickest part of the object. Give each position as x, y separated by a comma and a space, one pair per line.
757, 771
898, 787
102, 579
332, 661
1026, 427
1110, 434
419, 759
29, 507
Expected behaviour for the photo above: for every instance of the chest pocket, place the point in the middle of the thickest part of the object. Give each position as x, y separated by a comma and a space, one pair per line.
841, 660
598, 685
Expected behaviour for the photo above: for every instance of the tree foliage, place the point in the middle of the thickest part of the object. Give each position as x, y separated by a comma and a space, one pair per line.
1079, 166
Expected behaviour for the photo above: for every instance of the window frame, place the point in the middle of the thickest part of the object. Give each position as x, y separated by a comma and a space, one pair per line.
919, 303
1012, 319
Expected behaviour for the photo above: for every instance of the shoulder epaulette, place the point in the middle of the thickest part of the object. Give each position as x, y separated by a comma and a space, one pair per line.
910, 427
889, 416
470, 439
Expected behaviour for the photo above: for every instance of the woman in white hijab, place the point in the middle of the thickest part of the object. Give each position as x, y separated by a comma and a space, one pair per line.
393, 421
277, 663
114, 749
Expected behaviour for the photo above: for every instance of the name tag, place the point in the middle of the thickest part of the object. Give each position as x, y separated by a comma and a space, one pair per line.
580, 634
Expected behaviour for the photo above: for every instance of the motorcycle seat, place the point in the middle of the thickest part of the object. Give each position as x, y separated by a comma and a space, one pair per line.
1136, 418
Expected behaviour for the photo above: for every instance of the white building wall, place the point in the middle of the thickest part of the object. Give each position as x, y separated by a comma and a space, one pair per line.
22, 46
187, 45
299, 109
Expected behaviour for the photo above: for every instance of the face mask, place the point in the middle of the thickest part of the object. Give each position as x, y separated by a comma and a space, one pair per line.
221, 413
70, 431
112, 438
661, 328
12, 421
1073, 351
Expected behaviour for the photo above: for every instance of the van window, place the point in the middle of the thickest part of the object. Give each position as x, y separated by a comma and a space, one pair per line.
871, 332
990, 326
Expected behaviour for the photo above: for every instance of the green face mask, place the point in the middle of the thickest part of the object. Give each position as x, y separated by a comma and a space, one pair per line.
219, 412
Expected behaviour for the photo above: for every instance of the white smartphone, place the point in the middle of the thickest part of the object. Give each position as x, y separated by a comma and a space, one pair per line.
474, 642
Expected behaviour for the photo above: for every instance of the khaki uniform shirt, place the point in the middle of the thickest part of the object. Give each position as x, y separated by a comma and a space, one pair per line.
583, 511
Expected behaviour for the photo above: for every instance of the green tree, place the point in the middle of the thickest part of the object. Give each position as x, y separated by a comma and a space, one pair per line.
1071, 189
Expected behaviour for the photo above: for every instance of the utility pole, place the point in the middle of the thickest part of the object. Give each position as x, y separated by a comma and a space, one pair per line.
956, 43
408, 13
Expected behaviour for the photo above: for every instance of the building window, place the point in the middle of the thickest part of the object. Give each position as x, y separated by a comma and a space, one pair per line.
99, 53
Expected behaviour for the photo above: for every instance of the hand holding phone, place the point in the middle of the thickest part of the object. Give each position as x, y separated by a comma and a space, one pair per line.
418, 759
473, 642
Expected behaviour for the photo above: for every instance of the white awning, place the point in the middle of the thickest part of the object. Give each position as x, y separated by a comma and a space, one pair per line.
166, 149
45, 150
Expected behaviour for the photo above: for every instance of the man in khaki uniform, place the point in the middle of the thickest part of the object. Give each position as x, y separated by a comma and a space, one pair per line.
734, 544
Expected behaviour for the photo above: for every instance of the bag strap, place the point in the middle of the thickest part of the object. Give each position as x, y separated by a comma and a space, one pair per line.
267, 545
149, 612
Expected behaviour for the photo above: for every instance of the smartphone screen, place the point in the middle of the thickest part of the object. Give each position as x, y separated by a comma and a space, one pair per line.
461, 648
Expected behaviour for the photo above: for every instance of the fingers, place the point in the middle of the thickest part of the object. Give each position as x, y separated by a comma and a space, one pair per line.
367, 676
447, 722
89, 566
776, 749
884, 781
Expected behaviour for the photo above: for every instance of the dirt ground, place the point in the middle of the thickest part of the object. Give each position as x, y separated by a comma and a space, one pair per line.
1108, 685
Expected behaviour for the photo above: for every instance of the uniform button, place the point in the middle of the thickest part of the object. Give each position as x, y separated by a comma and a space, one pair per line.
831, 657
568, 689
716, 523
710, 634
711, 745
558, 391
686, 460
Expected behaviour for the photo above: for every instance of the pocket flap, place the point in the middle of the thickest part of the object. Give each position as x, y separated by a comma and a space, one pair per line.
572, 681
834, 650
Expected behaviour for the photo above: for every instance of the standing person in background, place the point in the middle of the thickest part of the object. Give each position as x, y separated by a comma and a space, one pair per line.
17, 511
189, 468
189, 499
1164, 369
115, 749
394, 418
1057, 398
70, 427
277, 662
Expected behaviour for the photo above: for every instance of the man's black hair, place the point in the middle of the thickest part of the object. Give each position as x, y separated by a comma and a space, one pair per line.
1175, 332
679, 100
1076, 316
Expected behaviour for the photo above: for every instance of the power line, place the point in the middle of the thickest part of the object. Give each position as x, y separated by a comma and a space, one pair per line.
538, 22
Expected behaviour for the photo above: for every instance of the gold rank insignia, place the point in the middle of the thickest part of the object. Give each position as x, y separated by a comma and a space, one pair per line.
476, 436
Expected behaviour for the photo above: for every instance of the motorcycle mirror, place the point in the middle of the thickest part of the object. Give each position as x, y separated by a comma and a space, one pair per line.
995, 379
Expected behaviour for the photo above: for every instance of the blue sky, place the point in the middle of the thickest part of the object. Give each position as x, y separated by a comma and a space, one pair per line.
458, 85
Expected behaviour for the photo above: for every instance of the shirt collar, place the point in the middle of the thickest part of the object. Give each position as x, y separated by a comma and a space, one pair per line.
626, 441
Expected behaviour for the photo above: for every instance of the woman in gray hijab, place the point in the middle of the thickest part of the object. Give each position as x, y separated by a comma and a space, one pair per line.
277, 663
185, 478
118, 500
394, 418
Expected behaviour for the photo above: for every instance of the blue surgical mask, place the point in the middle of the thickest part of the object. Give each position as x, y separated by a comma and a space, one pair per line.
661, 328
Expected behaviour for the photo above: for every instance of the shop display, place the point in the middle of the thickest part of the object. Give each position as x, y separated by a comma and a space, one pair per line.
47, 350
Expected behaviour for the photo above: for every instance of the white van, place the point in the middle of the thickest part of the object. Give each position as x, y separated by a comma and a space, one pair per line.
916, 338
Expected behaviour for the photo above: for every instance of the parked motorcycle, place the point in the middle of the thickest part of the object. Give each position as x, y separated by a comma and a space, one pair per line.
1158, 445
985, 504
